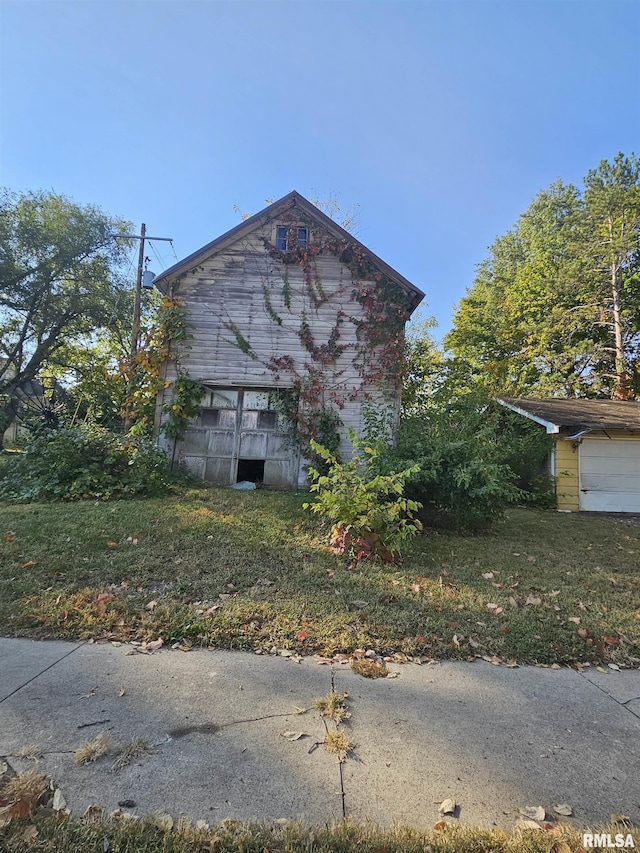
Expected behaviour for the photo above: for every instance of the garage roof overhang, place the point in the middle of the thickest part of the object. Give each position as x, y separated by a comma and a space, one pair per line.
577, 417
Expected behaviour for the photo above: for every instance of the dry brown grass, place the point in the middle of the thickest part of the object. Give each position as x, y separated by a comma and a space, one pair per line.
333, 705
92, 749
369, 668
338, 743
133, 749
20, 793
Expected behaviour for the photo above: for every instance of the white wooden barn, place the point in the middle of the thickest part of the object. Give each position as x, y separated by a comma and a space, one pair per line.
287, 306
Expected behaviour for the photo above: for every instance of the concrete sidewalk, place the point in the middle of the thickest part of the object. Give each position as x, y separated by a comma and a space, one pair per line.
492, 738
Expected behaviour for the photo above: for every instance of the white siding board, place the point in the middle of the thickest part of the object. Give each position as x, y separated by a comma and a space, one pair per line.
228, 288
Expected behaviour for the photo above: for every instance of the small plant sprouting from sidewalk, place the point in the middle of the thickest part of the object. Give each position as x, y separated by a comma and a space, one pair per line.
338, 743
368, 511
333, 705
92, 750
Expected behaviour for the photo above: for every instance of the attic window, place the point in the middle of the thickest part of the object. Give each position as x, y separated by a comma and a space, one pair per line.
284, 235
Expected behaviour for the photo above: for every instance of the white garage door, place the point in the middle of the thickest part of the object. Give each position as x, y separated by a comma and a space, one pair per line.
610, 475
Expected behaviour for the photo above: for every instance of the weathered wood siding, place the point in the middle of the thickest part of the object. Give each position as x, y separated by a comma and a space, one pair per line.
242, 287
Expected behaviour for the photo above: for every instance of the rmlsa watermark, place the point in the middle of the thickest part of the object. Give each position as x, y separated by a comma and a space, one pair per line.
594, 839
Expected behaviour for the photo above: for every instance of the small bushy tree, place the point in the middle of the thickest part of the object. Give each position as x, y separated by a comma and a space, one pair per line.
369, 513
83, 462
474, 459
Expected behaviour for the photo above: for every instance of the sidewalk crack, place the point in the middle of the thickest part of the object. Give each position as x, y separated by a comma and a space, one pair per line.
617, 701
42, 672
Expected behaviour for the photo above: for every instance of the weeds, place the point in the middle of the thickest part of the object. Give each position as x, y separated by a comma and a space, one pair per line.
30, 751
333, 705
338, 743
133, 749
92, 749
369, 668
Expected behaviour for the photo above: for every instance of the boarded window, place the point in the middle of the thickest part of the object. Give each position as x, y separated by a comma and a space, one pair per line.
210, 417
267, 420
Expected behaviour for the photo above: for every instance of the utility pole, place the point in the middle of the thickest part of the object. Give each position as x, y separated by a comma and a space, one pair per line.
135, 330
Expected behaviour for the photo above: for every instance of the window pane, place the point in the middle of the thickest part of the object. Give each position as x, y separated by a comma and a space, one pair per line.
227, 419
302, 237
281, 238
249, 420
224, 399
256, 400
210, 417
267, 420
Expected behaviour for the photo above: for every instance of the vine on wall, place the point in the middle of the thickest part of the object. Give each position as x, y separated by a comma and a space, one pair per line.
379, 352
162, 343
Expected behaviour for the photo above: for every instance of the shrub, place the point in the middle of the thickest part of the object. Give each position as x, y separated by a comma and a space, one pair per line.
83, 462
368, 510
463, 481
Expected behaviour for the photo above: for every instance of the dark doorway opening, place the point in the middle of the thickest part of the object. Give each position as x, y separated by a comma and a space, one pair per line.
251, 470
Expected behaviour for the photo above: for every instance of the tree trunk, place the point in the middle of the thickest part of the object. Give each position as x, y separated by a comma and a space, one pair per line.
621, 390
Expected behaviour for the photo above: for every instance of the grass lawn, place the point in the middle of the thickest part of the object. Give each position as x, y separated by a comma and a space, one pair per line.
251, 571
49, 835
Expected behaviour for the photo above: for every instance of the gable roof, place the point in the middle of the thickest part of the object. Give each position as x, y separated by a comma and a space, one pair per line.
292, 199
557, 414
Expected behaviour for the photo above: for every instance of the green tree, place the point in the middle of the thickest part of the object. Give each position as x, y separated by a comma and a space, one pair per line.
60, 281
554, 309
424, 367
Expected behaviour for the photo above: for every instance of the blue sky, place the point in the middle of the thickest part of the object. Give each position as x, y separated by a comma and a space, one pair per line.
442, 119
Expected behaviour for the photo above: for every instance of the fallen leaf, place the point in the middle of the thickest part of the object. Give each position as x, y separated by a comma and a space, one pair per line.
93, 814
111, 544
533, 812
614, 667
151, 605
531, 599
440, 825
30, 834
575, 619
59, 802
562, 847
292, 735
447, 807
359, 604
154, 645
488, 575
582, 632
563, 809
621, 819
525, 823
611, 641
301, 636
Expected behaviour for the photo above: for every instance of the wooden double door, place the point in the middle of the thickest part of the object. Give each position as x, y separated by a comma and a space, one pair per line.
240, 435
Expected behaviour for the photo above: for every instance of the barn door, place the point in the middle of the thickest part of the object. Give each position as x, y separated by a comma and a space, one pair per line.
219, 420
266, 453
240, 436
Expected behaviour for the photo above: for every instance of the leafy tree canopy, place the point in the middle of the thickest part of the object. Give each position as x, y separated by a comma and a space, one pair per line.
555, 309
60, 281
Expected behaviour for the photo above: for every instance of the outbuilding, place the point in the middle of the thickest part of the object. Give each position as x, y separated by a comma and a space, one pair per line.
595, 458
294, 331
